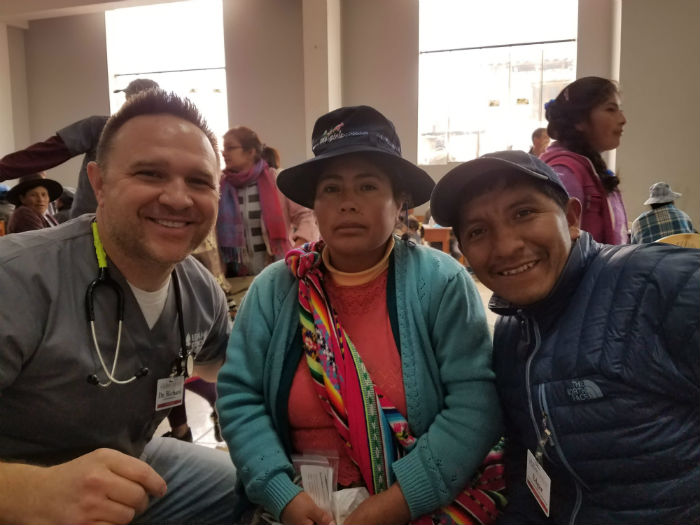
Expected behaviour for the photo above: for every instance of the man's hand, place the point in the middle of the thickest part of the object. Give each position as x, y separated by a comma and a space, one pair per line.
388, 507
303, 511
104, 486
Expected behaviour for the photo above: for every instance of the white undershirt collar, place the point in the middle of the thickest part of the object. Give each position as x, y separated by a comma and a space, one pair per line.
151, 303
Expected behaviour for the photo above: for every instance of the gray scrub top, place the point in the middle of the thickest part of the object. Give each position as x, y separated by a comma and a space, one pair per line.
49, 412
82, 137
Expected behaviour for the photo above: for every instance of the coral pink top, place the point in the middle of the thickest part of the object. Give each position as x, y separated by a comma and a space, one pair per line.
360, 302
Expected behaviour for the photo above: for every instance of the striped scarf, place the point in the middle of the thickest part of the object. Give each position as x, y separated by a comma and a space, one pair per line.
230, 224
375, 432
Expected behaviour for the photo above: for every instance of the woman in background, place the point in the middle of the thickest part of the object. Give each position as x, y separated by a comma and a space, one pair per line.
585, 120
31, 197
255, 226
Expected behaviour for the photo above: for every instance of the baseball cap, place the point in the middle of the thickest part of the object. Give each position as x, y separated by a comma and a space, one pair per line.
448, 195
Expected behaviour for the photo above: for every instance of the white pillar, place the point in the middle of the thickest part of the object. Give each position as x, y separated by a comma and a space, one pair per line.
598, 38
7, 135
322, 61
599, 45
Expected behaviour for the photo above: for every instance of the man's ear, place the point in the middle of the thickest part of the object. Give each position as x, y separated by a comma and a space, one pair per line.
573, 217
95, 176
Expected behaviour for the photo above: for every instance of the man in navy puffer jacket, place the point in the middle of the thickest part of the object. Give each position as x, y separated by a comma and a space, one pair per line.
597, 352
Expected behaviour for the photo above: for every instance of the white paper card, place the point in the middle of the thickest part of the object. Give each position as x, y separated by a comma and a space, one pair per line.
170, 392
538, 481
317, 480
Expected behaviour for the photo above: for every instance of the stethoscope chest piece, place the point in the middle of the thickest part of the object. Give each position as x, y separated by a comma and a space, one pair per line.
184, 365
189, 365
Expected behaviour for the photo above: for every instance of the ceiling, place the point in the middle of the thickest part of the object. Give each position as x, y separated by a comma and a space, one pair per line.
20, 12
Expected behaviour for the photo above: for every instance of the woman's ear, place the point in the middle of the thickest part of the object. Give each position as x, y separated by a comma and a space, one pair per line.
582, 126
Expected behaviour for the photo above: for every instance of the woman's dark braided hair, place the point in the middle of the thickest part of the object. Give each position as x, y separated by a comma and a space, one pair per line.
573, 106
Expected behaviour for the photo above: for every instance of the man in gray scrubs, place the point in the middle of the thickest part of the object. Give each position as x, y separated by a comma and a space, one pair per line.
80, 400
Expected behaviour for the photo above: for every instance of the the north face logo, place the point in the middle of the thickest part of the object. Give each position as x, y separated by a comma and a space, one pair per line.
583, 390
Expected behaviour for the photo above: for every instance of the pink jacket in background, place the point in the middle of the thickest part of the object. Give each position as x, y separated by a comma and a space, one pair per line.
603, 214
302, 222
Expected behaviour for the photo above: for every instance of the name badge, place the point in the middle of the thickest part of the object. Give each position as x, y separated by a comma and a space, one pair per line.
538, 481
170, 392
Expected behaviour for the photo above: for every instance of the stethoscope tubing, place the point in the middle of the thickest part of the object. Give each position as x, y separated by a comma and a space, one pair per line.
184, 361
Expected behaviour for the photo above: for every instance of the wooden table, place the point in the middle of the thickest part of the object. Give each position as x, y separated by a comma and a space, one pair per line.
437, 237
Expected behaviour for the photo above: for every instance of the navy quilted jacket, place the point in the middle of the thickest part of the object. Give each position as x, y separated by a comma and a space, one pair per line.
610, 362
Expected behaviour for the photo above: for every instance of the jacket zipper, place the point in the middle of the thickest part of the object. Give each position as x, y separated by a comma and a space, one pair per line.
549, 435
555, 443
528, 363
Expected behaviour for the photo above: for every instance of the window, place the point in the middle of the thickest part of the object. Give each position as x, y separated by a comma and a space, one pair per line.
486, 69
179, 45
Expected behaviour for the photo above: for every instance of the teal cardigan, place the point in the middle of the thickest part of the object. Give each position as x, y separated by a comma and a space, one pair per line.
441, 332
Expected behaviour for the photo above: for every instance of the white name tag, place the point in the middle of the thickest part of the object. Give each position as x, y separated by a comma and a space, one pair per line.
170, 391
538, 481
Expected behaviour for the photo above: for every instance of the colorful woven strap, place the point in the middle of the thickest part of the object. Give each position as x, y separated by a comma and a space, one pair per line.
375, 431
340, 378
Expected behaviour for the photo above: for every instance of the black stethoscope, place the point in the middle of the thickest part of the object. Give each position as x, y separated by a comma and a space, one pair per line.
183, 364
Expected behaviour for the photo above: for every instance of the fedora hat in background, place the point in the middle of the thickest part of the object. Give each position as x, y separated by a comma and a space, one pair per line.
349, 130
30, 181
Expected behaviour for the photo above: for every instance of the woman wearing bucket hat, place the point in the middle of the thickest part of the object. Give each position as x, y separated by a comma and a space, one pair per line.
364, 344
31, 197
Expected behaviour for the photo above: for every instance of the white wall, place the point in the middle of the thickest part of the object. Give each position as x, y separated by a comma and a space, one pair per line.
265, 72
322, 74
7, 136
596, 34
380, 62
18, 81
67, 78
335, 53
660, 81
380, 66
